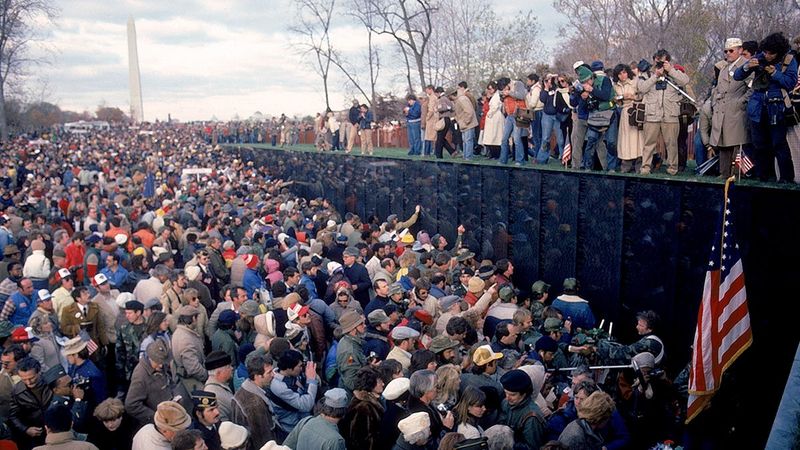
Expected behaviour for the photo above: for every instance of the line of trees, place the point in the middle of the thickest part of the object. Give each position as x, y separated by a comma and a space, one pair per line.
413, 43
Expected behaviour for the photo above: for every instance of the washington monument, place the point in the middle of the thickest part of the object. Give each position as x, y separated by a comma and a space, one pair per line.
134, 79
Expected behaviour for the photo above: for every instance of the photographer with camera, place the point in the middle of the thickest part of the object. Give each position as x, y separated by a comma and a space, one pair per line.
555, 96
84, 373
602, 118
775, 73
67, 392
662, 109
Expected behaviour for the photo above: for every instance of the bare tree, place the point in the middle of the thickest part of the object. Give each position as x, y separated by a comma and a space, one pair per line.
598, 19
16, 34
408, 22
313, 26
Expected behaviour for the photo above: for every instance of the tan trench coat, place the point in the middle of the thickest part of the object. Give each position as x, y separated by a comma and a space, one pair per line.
729, 105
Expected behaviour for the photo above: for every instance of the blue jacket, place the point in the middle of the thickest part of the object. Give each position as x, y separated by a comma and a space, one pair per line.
359, 278
23, 309
366, 121
352, 115
97, 391
772, 98
306, 281
375, 303
414, 112
252, 282
577, 309
118, 278
579, 104
291, 402
376, 341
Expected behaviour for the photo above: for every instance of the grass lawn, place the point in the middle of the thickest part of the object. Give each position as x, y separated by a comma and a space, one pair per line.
402, 153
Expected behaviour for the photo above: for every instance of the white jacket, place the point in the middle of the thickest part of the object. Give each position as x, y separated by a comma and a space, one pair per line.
36, 266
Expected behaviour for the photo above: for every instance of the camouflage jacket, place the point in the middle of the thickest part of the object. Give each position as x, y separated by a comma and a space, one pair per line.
129, 338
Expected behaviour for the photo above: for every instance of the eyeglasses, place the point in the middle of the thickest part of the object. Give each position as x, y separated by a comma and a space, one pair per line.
730, 50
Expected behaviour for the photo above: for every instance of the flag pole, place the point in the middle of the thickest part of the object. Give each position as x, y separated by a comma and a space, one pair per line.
739, 166
725, 201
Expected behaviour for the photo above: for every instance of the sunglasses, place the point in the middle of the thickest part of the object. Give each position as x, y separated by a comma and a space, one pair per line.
730, 50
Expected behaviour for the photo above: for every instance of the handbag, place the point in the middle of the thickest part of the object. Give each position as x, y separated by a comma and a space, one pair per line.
600, 119
636, 115
523, 116
440, 124
791, 113
686, 112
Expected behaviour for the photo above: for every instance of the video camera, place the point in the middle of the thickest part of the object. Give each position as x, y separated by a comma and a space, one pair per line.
81, 382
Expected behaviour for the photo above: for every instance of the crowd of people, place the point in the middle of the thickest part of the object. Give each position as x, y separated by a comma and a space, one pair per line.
161, 293
616, 118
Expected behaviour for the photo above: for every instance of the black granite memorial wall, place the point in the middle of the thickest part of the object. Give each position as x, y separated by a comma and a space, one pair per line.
634, 243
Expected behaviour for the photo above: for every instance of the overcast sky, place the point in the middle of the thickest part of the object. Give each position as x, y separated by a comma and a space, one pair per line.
198, 59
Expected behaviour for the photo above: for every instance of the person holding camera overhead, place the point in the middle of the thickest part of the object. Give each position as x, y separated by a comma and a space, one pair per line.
659, 88
775, 73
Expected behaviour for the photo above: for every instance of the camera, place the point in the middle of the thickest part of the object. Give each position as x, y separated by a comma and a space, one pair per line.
661, 84
442, 408
659, 65
372, 357
578, 86
81, 382
762, 60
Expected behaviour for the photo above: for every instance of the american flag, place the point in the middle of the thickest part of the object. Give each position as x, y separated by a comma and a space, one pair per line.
567, 153
744, 163
723, 321
91, 345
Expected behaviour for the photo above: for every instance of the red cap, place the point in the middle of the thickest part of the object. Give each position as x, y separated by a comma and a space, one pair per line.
680, 67
251, 261
20, 334
268, 218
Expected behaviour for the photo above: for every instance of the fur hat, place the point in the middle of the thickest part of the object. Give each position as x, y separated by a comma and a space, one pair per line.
170, 416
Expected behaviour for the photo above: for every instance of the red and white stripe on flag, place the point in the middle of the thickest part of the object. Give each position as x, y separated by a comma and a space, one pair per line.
723, 321
91, 345
744, 163
567, 153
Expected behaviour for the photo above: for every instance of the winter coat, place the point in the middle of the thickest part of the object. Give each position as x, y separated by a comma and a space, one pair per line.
376, 341
579, 434
431, 117
361, 425
291, 402
64, 441
729, 107
27, 410
37, 266
349, 358
148, 438
252, 410
72, 321
148, 388
359, 278
119, 439
225, 341
47, 351
495, 121
770, 97
662, 105
465, 113
525, 419
187, 348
